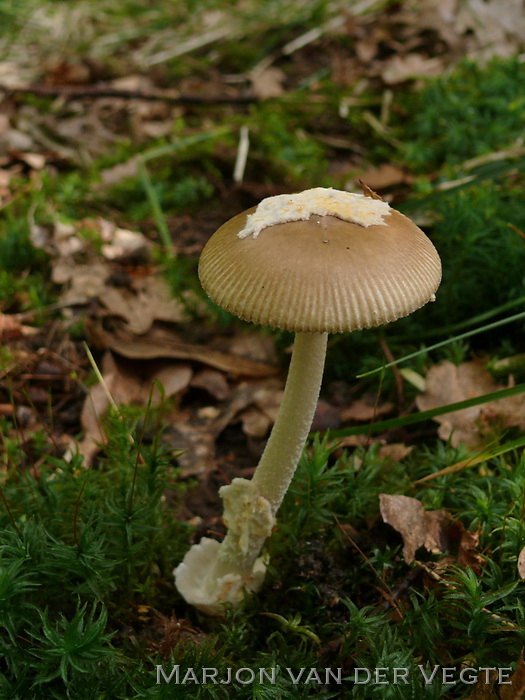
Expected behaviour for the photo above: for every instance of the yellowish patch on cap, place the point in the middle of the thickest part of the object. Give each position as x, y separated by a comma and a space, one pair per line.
320, 201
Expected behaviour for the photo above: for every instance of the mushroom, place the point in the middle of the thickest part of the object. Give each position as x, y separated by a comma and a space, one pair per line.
317, 262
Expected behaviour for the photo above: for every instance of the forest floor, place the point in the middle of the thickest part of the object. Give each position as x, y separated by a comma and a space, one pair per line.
129, 132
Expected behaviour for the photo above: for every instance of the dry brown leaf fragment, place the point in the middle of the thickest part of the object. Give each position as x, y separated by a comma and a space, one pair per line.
119, 172
254, 422
212, 381
413, 65
163, 344
87, 281
515, 690
326, 417
448, 383
150, 300
366, 409
10, 328
385, 175
125, 383
268, 83
254, 346
396, 451
195, 439
120, 242
468, 546
417, 527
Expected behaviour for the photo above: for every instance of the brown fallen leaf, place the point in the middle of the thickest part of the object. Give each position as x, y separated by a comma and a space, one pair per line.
400, 68
149, 300
195, 435
326, 417
515, 690
126, 384
417, 527
212, 381
253, 345
396, 451
117, 173
120, 242
448, 383
385, 175
468, 546
365, 409
160, 343
87, 281
11, 328
268, 83
254, 422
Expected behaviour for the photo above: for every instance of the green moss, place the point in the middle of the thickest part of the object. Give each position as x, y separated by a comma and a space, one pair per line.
467, 113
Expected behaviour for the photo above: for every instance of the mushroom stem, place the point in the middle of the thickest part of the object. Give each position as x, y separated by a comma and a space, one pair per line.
250, 506
294, 420
212, 573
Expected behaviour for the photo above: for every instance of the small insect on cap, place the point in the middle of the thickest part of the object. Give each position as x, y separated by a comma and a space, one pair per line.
321, 260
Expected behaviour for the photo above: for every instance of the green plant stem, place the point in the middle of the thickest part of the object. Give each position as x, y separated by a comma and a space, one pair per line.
461, 336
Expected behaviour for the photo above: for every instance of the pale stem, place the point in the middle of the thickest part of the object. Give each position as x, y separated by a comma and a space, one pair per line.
294, 420
254, 503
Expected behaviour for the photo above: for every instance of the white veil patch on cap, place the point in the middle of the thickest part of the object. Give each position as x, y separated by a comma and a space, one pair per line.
323, 201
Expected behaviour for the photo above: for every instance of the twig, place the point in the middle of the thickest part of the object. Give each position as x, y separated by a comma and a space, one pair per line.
82, 92
242, 155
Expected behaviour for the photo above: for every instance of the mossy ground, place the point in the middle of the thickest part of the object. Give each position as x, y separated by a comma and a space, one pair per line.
88, 607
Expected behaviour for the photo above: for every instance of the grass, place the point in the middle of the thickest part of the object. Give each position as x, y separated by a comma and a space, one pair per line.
88, 607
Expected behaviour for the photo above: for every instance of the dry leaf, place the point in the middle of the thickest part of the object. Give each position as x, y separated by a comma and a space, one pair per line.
326, 417
468, 546
365, 409
385, 175
195, 436
117, 173
159, 344
516, 689
34, 160
448, 383
417, 527
254, 345
119, 242
255, 423
150, 300
268, 83
395, 451
213, 382
413, 65
195, 439
10, 328
126, 383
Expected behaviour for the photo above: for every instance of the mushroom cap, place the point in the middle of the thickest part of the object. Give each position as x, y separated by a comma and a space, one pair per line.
322, 274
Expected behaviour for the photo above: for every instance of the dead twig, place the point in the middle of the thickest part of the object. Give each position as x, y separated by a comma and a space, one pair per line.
81, 92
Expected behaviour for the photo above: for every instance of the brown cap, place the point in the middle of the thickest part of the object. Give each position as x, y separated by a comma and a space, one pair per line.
322, 273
